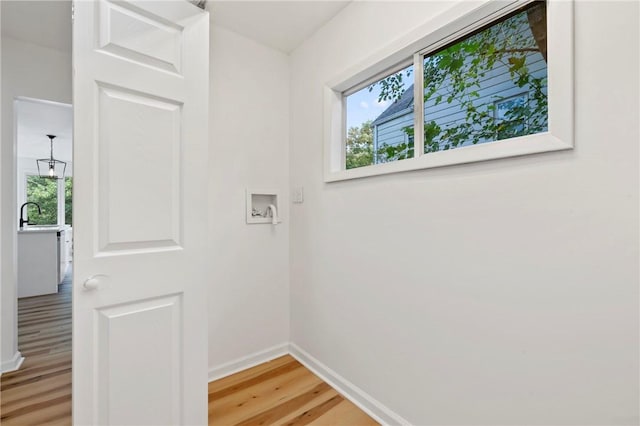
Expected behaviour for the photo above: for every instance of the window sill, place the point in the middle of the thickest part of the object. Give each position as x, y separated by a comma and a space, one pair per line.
530, 144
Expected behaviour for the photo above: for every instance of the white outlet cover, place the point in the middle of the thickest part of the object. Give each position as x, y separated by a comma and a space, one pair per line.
298, 195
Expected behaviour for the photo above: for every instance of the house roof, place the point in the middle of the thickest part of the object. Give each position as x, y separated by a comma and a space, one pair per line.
400, 105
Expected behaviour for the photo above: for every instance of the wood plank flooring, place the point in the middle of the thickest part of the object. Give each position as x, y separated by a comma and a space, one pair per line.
39, 393
280, 392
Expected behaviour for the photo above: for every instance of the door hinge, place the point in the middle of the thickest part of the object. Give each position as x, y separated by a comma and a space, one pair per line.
73, 11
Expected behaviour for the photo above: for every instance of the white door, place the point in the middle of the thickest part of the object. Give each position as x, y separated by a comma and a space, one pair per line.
139, 213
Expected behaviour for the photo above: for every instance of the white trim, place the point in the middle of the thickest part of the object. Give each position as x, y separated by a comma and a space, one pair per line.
240, 364
13, 364
334, 144
360, 398
514, 147
450, 25
357, 396
418, 106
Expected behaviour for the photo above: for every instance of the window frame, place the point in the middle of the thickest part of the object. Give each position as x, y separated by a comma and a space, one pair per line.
452, 25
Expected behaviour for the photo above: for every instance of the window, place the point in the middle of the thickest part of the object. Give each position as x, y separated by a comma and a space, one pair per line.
44, 192
464, 81
53, 196
378, 116
486, 86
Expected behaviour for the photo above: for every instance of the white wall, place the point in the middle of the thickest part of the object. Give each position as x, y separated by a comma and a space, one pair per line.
249, 285
249, 147
2, 185
36, 72
503, 292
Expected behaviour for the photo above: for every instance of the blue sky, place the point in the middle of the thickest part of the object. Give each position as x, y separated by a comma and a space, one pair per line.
363, 105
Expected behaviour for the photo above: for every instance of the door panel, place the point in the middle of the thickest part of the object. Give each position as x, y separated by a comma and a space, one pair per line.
153, 329
127, 120
140, 220
134, 34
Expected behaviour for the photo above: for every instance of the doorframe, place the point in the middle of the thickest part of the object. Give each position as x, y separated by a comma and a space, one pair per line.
37, 88
10, 184
9, 244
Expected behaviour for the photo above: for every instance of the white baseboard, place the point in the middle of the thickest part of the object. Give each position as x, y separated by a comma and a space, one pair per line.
364, 401
248, 361
13, 364
360, 398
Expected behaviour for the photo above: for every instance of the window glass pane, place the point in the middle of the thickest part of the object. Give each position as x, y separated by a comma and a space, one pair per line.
489, 86
68, 191
44, 192
380, 121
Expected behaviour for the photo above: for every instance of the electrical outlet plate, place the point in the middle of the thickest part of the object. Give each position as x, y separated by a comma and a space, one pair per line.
298, 195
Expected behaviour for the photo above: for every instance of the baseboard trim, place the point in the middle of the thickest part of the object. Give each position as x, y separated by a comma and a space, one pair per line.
13, 364
248, 361
360, 398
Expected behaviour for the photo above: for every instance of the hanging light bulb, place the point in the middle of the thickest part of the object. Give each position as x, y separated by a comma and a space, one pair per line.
51, 162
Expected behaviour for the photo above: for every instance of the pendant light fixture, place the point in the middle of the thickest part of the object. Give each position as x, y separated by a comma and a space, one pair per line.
51, 165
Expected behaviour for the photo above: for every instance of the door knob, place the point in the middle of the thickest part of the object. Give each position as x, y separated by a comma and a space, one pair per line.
93, 282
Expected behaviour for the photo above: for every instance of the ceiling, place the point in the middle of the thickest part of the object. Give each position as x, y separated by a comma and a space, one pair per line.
36, 119
282, 25
45, 23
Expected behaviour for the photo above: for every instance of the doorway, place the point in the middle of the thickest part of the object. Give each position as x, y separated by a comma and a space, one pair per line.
36, 302
40, 390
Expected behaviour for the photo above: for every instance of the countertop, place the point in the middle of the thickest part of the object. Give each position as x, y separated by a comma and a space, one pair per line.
40, 229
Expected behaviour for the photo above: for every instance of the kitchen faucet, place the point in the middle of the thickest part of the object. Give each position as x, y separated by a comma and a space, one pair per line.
22, 221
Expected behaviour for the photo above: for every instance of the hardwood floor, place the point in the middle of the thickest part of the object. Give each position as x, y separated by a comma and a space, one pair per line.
280, 392
39, 392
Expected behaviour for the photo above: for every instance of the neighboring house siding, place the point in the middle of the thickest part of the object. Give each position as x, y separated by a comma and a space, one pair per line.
390, 132
496, 85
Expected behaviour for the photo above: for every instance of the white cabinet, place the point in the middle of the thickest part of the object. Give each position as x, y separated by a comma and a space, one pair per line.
68, 247
62, 255
66, 250
38, 262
